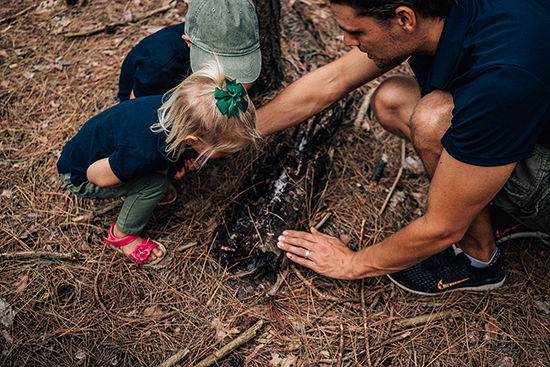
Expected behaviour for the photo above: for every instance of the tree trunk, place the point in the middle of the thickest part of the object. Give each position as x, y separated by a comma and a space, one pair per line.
269, 13
287, 177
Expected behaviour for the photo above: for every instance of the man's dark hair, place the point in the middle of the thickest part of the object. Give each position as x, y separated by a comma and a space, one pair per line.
385, 9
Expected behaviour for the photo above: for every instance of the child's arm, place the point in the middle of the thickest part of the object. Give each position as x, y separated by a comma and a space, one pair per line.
100, 173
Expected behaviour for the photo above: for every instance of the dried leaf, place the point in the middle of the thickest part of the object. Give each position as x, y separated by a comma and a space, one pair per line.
153, 311
22, 284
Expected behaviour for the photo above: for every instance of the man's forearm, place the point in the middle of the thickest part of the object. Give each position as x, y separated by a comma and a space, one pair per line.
403, 249
316, 91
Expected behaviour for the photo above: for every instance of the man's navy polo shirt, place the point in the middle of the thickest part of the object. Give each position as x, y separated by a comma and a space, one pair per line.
155, 65
123, 134
493, 57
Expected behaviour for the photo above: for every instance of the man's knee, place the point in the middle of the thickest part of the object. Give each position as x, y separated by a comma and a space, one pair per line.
431, 118
394, 100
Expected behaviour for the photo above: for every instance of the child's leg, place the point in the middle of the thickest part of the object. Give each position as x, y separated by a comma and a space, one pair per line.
142, 196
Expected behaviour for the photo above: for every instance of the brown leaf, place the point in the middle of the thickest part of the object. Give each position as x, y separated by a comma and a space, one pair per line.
22, 284
153, 311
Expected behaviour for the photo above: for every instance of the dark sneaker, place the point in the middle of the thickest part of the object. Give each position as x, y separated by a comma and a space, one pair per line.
446, 272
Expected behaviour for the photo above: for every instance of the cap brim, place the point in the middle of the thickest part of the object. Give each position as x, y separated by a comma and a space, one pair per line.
243, 68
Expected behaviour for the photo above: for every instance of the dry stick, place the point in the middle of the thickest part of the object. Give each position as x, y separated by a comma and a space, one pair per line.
104, 28
365, 104
232, 345
399, 173
187, 245
323, 220
180, 354
10, 18
423, 319
280, 279
364, 309
20, 255
394, 339
341, 349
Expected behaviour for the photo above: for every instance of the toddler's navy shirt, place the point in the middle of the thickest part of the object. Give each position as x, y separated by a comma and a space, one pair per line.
156, 64
123, 134
493, 58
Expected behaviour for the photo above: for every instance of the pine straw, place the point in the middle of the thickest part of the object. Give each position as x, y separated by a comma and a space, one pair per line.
103, 311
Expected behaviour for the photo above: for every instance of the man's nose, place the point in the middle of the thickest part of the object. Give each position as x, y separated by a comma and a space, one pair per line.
349, 40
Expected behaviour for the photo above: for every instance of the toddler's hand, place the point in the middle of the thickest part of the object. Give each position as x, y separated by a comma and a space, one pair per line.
179, 175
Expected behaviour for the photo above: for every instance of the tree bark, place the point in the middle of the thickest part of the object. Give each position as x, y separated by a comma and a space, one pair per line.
289, 174
269, 13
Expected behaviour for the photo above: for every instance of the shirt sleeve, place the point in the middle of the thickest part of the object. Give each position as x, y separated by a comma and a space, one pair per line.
128, 163
498, 117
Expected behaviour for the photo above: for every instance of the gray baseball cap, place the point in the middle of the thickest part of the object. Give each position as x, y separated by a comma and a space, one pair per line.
226, 30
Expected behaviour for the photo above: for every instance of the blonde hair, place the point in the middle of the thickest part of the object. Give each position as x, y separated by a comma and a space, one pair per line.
190, 109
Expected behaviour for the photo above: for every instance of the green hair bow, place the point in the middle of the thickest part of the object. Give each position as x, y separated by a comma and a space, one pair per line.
232, 100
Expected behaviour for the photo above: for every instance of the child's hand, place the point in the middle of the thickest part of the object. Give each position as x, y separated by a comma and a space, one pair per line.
179, 174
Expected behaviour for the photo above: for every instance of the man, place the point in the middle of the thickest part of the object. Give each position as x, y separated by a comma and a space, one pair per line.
226, 31
477, 114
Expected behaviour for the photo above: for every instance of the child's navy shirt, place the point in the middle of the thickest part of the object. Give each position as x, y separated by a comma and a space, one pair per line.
123, 134
156, 64
493, 58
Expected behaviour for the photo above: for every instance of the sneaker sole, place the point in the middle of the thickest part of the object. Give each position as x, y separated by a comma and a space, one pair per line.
481, 288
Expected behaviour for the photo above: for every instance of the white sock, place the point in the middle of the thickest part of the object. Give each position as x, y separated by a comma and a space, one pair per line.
475, 262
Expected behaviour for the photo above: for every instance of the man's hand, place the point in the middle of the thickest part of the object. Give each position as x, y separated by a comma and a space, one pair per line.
324, 254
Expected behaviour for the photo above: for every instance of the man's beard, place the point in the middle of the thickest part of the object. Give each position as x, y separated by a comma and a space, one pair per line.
384, 63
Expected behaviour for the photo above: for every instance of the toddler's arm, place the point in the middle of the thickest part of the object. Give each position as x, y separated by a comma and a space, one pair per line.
100, 173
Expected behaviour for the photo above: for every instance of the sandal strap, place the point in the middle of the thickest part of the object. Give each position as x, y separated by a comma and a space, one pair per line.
113, 240
142, 251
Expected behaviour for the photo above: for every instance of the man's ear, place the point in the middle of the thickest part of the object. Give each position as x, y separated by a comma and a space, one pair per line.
406, 18
191, 140
187, 40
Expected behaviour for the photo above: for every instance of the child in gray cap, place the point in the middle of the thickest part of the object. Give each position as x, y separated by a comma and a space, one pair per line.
226, 30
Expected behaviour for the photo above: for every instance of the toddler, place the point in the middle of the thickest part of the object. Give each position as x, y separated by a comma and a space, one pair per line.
133, 149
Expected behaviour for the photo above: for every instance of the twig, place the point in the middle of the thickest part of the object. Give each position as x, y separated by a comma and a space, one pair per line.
187, 246
280, 279
180, 354
108, 27
394, 339
364, 309
20, 255
341, 349
423, 319
397, 178
365, 104
232, 345
323, 220
10, 18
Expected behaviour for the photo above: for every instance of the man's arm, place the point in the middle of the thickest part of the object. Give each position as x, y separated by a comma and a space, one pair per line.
316, 91
458, 192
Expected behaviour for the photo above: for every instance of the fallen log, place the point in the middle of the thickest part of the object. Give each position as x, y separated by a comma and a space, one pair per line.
286, 179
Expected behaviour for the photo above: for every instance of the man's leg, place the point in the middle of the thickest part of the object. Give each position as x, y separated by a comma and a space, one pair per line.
399, 108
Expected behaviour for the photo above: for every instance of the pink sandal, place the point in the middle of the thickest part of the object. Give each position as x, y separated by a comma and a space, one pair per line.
141, 252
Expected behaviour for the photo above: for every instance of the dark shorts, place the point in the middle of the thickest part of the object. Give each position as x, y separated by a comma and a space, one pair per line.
526, 194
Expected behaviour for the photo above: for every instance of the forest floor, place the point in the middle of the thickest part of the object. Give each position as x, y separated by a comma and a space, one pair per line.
101, 310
